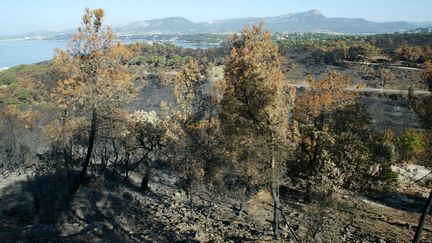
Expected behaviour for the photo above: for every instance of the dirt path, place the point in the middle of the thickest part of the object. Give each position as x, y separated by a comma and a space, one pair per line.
370, 90
388, 66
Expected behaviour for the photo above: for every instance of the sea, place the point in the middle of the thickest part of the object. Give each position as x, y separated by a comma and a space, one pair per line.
17, 52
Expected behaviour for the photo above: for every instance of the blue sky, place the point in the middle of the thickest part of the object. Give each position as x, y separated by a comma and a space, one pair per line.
19, 16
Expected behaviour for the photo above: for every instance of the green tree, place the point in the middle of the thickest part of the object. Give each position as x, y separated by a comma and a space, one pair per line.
412, 143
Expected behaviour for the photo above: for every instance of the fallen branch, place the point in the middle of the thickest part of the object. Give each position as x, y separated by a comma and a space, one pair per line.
417, 181
288, 225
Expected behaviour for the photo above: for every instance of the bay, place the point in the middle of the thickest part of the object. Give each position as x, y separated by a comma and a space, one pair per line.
17, 52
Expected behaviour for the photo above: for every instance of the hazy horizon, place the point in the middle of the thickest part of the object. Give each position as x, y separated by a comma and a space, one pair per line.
24, 16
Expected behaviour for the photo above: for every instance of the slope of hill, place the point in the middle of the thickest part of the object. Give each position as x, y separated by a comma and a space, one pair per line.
109, 211
166, 25
311, 21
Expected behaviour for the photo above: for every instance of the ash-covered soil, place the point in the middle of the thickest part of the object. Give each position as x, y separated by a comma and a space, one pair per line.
108, 209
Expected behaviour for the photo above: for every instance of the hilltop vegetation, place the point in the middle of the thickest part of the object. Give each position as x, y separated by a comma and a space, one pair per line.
411, 48
234, 150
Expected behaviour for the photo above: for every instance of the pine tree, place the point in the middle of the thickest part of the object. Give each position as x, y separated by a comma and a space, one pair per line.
183, 115
95, 83
254, 111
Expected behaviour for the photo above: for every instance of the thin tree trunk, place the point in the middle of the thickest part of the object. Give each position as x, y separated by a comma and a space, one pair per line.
145, 181
422, 220
275, 196
190, 196
66, 159
276, 212
90, 147
243, 204
116, 157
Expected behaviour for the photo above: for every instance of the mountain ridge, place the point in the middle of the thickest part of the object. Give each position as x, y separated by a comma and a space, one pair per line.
310, 21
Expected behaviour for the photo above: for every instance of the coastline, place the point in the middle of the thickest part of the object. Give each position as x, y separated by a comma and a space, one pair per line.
19, 52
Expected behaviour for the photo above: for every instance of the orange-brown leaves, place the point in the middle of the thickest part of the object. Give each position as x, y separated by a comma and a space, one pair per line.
93, 71
186, 90
323, 96
119, 52
23, 118
254, 81
68, 92
254, 108
93, 74
99, 13
61, 132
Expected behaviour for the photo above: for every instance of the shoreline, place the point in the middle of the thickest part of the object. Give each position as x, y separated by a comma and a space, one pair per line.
43, 50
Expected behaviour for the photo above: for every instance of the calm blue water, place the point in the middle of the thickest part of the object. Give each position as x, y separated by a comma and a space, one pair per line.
16, 52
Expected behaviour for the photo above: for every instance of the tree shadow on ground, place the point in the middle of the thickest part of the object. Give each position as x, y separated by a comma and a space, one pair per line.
30, 208
403, 201
107, 210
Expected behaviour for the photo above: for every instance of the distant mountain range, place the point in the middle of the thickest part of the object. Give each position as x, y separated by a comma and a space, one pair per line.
310, 21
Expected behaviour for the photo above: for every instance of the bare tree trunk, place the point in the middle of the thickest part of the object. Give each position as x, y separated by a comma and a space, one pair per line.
276, 209
422, 220
243, 204
116, 157
275, 196
90, 147
67, 161
145, 181
191, 204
